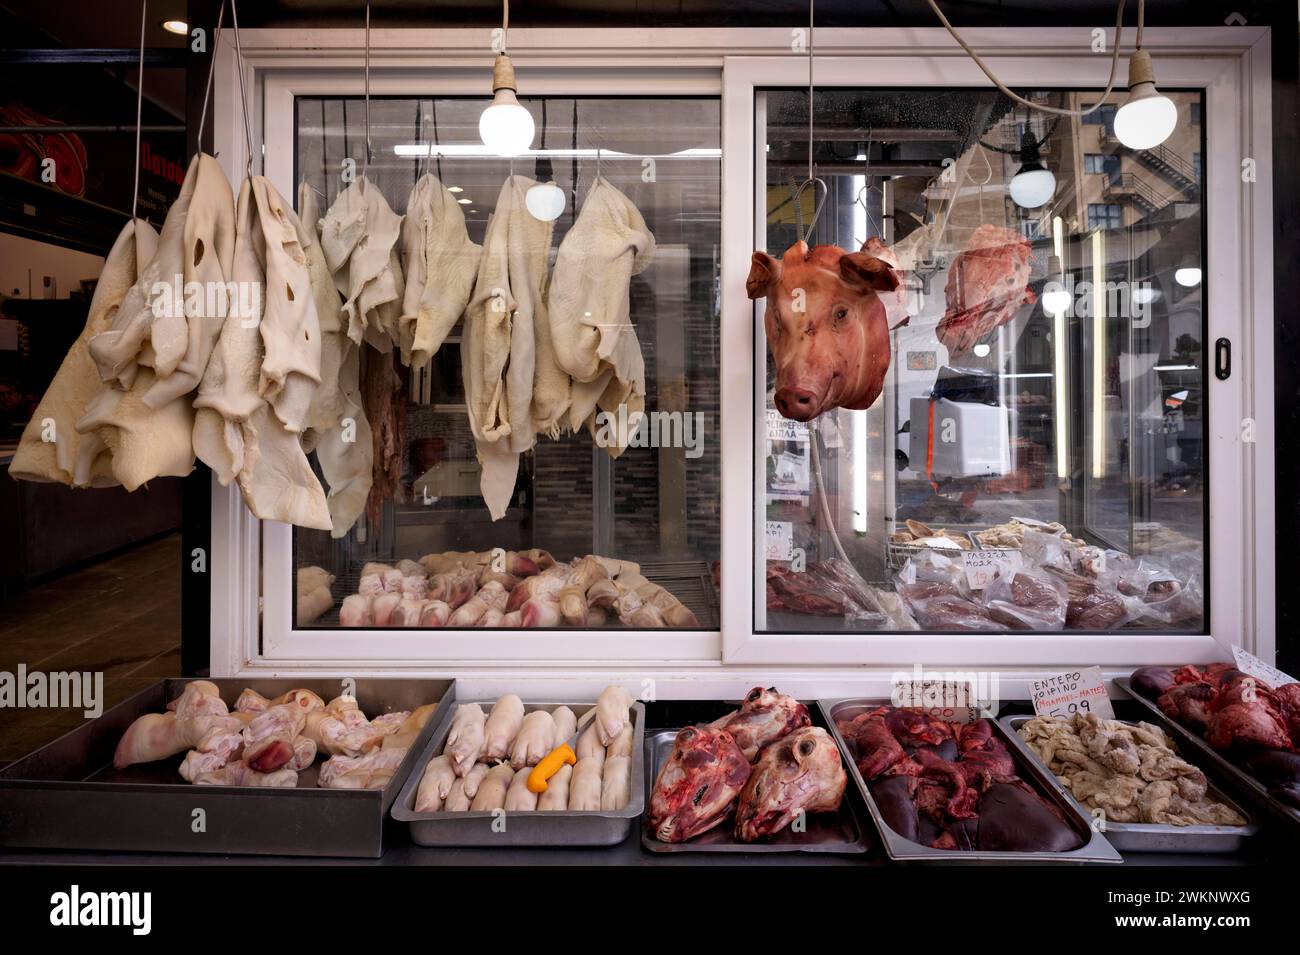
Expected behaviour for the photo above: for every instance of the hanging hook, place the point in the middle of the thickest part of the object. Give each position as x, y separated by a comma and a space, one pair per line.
212, 68
139, 109
243, 95
796, 197
365, 165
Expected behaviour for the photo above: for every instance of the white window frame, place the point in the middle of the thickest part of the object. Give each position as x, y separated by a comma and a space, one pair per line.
1232, 64
1234, 71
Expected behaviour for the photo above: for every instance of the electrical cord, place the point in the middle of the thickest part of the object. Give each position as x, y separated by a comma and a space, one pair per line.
1110, 81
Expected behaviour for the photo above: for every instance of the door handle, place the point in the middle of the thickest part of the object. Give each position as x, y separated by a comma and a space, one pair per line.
1222, 359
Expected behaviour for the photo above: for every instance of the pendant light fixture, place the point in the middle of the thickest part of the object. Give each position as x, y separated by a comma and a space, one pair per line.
1034, 185
1147, 117
505, 127
545, 201
1144, 121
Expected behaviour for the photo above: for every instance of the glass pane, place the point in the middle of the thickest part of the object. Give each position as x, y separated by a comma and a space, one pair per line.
652, 510
1033, 458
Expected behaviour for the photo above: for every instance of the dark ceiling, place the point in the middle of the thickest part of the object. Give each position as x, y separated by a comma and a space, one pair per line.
115, 23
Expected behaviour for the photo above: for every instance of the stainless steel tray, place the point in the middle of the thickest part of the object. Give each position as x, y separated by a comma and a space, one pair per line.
67, 795
1153, 837
1214, 763
837, 832
1094, 849
585, 828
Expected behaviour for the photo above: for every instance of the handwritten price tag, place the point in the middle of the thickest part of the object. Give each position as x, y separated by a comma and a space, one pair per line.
982, 566
1075, 691
779, 540
1249, 663
943, 699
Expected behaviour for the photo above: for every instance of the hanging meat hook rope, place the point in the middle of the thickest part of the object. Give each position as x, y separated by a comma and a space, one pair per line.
212, 68
139, 109
365, 165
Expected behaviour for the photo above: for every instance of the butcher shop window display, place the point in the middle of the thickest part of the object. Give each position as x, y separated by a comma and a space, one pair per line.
533, 397
983, 415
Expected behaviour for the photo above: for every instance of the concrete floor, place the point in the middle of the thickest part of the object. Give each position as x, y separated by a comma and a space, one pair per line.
121, 617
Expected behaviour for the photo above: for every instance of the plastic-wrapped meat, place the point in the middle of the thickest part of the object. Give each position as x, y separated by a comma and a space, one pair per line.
827, 588
1028, 601
941, 606
987, 284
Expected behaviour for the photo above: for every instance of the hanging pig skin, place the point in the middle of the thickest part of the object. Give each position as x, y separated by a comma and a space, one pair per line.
360, 237
62, 455
439, 264
195, 248
590, 307
339, 433
827, 324
236, 430
499, 352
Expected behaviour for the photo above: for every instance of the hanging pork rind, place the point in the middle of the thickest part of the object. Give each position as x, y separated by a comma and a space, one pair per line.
236, 430
359, 235
590, 308
440, 265
51, 449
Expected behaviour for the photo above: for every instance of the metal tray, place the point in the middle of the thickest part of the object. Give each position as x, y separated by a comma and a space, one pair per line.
67, 795
1214, 763
568, 828
838, 832
1153, 837
1094, 849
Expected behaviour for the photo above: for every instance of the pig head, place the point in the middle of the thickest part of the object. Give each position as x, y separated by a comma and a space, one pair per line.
827, 324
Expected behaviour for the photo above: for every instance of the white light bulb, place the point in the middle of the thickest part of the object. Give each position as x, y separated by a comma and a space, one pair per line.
1056, 300
1188, 276
1144, 295
176, 26
1146, 122
505, 127
545, 201
1031, 188
981, 350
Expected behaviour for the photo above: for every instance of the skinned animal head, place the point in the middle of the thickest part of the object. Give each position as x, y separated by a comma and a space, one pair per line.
826, 324
800, 773
697, 785
764, 716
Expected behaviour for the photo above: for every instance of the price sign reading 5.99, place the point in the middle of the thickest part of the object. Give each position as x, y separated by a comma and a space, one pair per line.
1075, 691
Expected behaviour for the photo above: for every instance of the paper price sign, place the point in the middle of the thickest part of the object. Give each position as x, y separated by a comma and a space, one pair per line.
942, 699
982, 566
779, 540
1253, 665
1075, 691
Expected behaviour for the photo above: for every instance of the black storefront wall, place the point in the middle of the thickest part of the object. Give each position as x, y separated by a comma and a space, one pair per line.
1278, 15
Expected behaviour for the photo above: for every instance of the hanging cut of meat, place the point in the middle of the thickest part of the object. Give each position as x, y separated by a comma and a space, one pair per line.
383, 394
987, 284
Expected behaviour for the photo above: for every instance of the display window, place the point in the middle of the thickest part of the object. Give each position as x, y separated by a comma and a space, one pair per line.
614, 431
1023, 446
1058, 457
